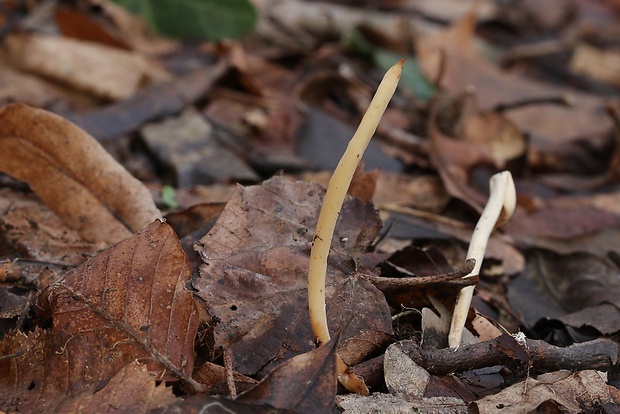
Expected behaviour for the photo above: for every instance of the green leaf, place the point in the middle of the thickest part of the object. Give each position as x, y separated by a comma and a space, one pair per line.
169, 197
196, 19
412, 78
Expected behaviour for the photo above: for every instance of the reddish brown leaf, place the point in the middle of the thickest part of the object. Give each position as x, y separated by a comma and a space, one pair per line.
80, 25
561, 222
364, 184
254, 276
32, 229
73, 174
37, 376
214, 380
110, 24
129, 302
454, 160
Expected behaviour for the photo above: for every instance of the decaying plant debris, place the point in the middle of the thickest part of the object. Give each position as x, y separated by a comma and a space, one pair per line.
156, 233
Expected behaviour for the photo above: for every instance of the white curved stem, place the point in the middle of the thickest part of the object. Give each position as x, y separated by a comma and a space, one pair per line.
499, 209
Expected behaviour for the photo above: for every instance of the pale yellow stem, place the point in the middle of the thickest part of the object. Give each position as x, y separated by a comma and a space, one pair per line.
336, 191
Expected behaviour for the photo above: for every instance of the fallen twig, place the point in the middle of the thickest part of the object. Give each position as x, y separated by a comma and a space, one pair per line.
599, 354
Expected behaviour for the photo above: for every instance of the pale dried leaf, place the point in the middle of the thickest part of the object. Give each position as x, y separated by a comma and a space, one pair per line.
131, 390
596, 63
577, 392
402, 375
100, 70
397, 404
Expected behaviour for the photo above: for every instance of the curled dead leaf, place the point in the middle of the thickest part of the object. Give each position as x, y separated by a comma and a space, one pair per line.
73, 175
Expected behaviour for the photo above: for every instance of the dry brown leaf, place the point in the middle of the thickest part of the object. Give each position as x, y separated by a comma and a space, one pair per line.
425, 192
19, 86
305, 384
497, 134
484, 328
551, 127
35, 372
559, 221
106, 22
73, 175
129, 302
214, 379
364, 183
131, 390
454, 161
37, 376
33, 230
254, 277
578, 280
105, 72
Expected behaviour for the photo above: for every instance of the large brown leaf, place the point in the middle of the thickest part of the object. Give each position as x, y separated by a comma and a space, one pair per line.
254, 276
37, 376
129, 302
73, 175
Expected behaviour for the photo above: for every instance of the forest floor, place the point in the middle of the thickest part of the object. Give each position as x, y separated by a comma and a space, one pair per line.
159, 198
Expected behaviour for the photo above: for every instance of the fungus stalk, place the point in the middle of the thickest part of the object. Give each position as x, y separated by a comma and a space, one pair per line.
336, 192
497, 212
332, 203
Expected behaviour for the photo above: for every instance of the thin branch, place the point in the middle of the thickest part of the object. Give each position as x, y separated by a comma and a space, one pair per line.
599, 354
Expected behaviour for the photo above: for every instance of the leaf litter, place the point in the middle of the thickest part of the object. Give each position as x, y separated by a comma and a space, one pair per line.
255, 268
156, 323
